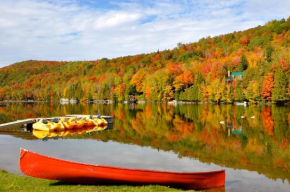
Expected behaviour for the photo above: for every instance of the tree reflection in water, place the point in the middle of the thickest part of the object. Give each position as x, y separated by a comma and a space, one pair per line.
254, 138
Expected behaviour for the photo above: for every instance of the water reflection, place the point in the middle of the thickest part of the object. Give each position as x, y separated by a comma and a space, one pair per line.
45, 135
254, 138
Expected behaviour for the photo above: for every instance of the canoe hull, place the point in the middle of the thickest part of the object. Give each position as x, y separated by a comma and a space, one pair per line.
40, 166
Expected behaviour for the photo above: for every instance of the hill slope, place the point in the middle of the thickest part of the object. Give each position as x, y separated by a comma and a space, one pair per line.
199, 71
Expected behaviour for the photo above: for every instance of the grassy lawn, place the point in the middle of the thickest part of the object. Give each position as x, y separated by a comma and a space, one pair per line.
12, 182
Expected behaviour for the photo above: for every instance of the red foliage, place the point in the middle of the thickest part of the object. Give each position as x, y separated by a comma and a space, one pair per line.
137, 58
120, 74
268, 122
147, 92
206, 69
268, 85
284, 64
94, 79
174, 68
244, 41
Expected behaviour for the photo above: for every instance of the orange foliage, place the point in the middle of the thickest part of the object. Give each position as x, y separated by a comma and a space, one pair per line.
103, 78
173, 137
206, 69
244, 41
94, 79
147, 92
284, 64
174, 68
137, 80
120, 89
204, 92
147, 111
236, 61
183, 80
268, 85
268, 122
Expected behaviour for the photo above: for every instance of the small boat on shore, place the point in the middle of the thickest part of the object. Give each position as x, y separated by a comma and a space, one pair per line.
45, 167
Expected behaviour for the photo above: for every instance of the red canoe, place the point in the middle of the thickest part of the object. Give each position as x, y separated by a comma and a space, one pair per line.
41, 166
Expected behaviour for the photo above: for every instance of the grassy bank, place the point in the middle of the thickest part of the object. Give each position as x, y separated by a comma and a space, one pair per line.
12, 182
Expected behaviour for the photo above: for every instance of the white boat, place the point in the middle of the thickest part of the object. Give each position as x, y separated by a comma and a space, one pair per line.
174, 102
241, 103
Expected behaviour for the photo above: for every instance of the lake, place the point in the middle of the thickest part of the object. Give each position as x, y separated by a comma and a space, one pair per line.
251, 143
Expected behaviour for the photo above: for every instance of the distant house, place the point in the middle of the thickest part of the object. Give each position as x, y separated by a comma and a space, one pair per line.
64, 100
132, 99
73, 101
235, 75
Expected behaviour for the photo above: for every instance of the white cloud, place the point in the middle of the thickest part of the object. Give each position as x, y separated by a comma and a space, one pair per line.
115, 19
68, 30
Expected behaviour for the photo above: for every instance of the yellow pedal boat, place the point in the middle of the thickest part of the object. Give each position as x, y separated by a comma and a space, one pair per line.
77, 123
66, 123
88, 122
99, 121
45, 125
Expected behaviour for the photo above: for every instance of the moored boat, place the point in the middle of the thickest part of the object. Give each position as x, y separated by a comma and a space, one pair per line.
66, 123
41, 166
76, 122
45, 125
99, 121
88, 121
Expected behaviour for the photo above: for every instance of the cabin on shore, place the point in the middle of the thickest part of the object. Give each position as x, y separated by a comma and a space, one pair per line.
235, 75
132, 99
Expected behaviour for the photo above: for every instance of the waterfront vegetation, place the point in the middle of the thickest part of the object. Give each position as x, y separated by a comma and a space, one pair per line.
199, 71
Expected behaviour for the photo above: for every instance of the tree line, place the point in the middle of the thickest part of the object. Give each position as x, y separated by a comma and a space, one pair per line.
198, 71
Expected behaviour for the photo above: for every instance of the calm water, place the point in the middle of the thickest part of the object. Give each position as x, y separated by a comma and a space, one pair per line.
250, 143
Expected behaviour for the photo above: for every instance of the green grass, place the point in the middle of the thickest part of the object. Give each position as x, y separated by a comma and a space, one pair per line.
12, 182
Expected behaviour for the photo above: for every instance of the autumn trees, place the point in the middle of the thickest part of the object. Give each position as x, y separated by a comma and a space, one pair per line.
190, 72
267, 86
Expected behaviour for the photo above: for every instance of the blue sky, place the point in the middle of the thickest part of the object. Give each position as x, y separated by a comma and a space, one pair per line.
69, 30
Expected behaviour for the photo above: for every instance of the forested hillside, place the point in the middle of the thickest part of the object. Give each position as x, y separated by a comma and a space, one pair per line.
199, 71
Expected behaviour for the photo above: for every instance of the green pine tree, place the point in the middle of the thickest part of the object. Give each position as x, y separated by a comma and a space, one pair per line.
239, 94
244, 62
279, 93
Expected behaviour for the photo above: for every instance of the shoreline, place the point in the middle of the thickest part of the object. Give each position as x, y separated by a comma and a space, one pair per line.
14, 182
237, 103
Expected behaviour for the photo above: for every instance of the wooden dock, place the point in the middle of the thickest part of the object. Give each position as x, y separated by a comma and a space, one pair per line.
29, 122
17, 123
